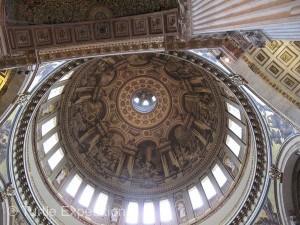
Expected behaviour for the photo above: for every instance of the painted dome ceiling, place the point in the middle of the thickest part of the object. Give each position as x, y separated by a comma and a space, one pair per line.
121, 146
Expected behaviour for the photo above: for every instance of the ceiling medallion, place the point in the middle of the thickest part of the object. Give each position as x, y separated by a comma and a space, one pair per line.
144, 102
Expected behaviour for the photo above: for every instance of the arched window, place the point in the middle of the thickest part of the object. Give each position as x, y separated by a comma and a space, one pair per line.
208, 188
234, 111
165, 210
86, 196
49, 125
55, 158
56, 91
50, 142
132, 213
235, 147
235, 128
195, 198
74, 185
67, 76
149, 213
100, 205
219, 175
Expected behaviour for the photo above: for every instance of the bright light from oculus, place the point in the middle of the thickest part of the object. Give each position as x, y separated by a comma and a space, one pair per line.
144, 101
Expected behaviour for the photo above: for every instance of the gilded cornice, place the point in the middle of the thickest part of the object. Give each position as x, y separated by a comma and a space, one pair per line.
160, 43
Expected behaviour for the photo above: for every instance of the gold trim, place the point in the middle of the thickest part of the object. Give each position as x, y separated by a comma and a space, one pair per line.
5, 77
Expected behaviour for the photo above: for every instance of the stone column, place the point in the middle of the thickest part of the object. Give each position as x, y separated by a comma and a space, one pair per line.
278, 19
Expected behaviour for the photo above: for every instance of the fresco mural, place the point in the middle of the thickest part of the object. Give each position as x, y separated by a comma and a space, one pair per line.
147, 163
127, 147
270, 217
279, 129
187, 148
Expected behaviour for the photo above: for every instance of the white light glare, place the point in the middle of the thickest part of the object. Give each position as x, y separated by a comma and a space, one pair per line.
153, 98
136, 100
146, 102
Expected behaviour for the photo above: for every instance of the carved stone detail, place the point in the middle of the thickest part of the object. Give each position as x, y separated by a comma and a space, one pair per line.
246, 38
184, 20
256, 37
22, 99
275, 174
7, 192
238, 79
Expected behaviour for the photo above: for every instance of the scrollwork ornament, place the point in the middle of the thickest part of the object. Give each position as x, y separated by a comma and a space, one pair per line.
22, 99
7, 192
275, 174
238, 79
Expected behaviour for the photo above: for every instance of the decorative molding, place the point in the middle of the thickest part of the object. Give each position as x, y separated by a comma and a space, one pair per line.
20, 60
7, 192
25, 38
158, 42
275, 174
256, 38
22, 99
238, 79
218, 41
184, 20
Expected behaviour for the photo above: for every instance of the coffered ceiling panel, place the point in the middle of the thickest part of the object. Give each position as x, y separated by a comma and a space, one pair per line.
280, 61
